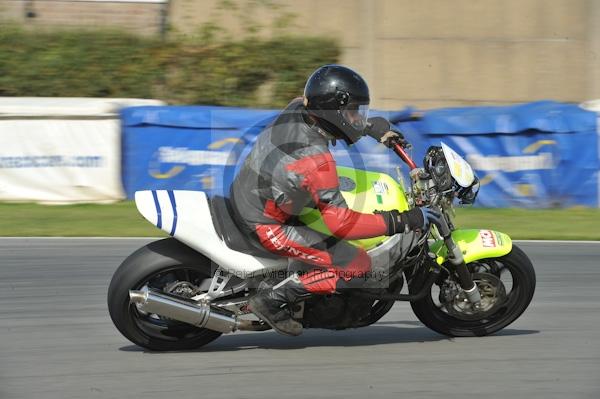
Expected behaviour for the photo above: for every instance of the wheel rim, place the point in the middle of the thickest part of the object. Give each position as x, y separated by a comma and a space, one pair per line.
501, 293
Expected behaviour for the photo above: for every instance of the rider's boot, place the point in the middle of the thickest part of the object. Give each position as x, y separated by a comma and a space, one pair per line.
272, 305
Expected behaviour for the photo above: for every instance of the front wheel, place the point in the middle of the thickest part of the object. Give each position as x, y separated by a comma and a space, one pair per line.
506, 284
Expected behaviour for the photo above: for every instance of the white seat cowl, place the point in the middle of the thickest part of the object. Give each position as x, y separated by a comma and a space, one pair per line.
186, 216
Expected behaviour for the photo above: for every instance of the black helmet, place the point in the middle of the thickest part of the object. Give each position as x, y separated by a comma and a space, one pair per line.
339, 98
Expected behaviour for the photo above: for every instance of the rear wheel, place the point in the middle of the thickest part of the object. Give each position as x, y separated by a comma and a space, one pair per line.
168, 266
506, 284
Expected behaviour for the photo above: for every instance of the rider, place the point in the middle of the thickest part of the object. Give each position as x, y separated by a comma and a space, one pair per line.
290, 167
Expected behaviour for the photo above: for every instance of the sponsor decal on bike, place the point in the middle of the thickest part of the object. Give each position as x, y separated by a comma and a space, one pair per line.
499, 238
488, 238
380, 188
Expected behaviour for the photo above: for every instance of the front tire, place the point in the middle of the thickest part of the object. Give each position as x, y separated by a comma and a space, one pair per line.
158, 264
448, 320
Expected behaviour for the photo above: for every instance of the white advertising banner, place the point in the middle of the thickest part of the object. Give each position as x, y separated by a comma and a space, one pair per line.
61, 150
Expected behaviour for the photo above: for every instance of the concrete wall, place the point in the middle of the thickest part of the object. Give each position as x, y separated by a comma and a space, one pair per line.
488, 51
135, 16
433, 53
426, 53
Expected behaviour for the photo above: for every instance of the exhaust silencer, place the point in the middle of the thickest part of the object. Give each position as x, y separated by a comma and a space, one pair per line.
198, 314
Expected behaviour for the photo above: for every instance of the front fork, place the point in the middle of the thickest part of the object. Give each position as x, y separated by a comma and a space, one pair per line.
456, 259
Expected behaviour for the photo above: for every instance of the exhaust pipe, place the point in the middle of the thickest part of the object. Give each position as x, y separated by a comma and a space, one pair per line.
197, 314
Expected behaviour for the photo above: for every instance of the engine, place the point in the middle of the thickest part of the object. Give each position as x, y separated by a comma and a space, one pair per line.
339, 311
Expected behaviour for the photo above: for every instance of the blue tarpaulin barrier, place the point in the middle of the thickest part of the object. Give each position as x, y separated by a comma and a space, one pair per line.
541, 154
200, 147
186, 147
538, 155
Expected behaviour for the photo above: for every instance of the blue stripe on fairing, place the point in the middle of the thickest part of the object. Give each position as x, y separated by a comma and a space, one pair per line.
158, 213
174, 205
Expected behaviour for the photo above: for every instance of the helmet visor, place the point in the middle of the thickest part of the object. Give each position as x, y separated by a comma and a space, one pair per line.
356, 115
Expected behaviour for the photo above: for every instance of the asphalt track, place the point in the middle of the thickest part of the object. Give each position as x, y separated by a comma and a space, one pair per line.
57, 340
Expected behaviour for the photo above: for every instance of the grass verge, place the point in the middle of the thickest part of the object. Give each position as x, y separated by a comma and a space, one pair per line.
83, 220
123, 220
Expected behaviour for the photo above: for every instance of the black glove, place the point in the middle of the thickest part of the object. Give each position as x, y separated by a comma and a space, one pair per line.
382, 130
413, 219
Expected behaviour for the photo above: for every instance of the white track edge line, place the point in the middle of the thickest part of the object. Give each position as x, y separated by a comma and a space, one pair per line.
158, 238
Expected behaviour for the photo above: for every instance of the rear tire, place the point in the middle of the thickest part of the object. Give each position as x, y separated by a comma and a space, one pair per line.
166, 258
517, 300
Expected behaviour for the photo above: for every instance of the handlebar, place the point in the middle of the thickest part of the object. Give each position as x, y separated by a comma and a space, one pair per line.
398, 149
455, 256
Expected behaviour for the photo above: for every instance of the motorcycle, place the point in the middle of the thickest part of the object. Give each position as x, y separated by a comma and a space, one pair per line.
184, 291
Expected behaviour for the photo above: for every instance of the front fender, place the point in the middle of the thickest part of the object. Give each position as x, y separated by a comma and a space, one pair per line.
475, 245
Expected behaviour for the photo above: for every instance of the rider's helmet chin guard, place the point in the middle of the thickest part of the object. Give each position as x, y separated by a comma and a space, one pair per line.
338, 98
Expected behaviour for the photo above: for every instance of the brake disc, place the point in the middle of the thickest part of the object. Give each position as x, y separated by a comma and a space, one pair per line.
493, 294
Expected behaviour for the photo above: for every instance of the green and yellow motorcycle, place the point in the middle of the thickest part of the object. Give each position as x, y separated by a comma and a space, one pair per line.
184, 291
